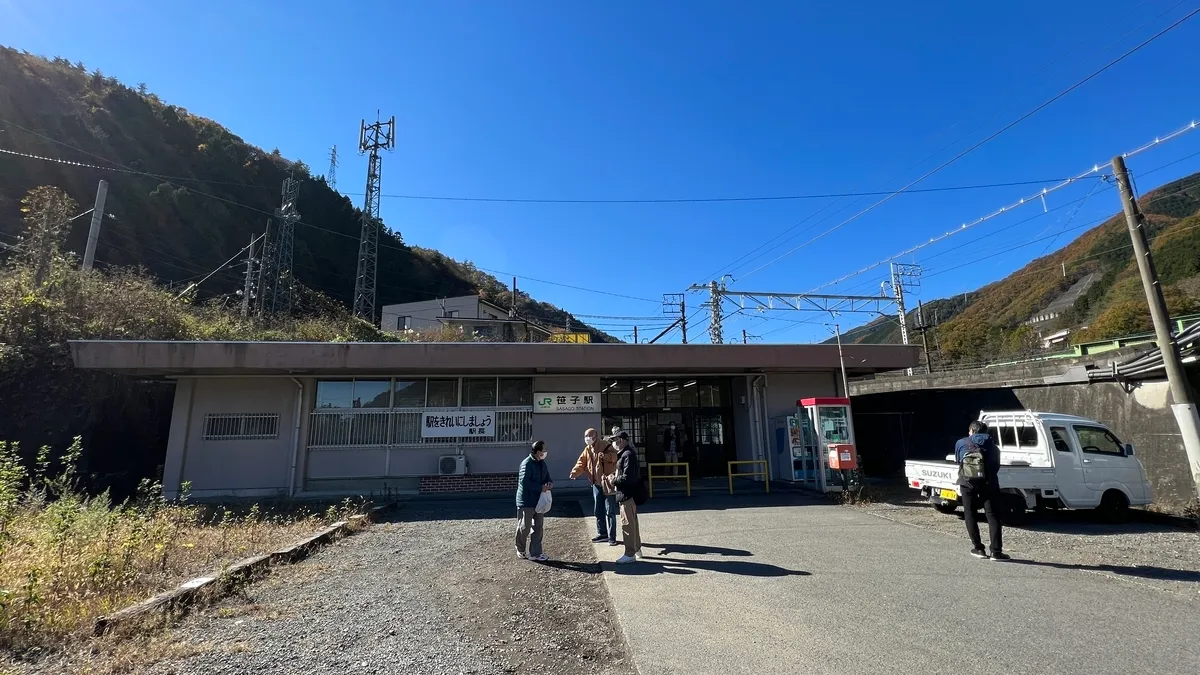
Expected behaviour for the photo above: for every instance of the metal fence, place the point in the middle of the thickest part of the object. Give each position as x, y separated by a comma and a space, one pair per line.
366, 428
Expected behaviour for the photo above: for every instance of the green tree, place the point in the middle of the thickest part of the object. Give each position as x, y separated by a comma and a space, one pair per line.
48, 211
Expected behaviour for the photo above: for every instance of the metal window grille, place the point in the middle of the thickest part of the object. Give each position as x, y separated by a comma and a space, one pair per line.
241, 426
364, 428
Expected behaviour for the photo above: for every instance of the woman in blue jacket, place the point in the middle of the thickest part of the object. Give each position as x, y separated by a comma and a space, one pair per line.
532, 480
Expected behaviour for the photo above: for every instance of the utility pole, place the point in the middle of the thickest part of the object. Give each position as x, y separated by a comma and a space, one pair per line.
1183, 406
333, 165
249, 278
635, 335
683, 316
89, 253
371, 139
837, 330
715, 290
921, 326
512, 305
266, 272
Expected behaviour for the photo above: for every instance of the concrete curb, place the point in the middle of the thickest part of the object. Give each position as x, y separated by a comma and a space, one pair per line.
206, 590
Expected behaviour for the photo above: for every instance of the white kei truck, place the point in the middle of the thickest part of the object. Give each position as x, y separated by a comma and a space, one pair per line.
1047, 461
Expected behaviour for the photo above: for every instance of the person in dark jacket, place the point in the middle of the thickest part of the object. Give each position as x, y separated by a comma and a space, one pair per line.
532, 480
983, 492
627, 481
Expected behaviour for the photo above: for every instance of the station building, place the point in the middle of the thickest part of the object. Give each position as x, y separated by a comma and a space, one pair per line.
265, 419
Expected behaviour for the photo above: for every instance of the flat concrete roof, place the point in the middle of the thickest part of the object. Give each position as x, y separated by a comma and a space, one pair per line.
147, 357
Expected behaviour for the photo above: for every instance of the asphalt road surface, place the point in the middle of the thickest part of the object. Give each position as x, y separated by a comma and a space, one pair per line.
785, 585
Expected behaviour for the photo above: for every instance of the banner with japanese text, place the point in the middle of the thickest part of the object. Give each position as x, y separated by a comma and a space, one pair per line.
458, 424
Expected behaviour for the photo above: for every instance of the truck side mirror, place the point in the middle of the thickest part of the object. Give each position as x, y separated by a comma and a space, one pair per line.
1129, 449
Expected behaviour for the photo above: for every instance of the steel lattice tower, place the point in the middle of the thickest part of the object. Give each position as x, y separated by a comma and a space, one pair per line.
288, 216
371, 139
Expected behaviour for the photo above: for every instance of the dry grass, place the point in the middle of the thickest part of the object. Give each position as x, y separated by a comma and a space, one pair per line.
67, 559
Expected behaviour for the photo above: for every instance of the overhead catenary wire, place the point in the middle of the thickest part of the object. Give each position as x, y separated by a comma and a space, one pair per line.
983, 142
731, 267
1093, 172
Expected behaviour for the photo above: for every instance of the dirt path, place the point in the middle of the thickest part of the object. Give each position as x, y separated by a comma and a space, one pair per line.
437, 589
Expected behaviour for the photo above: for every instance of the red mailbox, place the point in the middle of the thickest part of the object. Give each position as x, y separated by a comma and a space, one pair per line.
842, 456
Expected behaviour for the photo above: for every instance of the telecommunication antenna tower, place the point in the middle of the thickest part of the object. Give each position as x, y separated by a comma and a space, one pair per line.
333, 165
371, 139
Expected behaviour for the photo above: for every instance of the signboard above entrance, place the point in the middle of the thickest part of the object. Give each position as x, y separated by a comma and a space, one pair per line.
570, 402
458, 424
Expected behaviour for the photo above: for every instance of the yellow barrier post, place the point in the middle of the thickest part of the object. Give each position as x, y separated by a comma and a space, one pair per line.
765, 473
687, 475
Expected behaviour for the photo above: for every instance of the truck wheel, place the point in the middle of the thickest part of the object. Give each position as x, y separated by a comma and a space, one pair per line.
1013, 512
946, 507
1114, 507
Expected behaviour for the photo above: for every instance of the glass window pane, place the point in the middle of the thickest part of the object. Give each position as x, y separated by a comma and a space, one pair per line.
409, 394
1027, 437
443, 394
335, 394
616, 395
835, 427
372, 393
648, 394
707, 395
516, 391
1060, 436
1098, 440
1008, 437
687, 394
674, 394
479, 391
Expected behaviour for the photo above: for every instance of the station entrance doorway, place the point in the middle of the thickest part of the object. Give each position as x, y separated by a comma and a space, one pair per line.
701, 409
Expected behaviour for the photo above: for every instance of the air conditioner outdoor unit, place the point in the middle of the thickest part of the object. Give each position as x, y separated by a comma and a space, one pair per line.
452, 465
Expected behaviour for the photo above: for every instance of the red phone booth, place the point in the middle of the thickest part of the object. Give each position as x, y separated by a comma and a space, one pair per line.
833, 427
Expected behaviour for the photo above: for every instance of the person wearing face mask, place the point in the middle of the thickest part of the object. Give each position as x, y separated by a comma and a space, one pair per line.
597, 460
532, 480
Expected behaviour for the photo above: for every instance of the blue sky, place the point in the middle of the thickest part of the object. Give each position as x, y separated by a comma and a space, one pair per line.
672, 100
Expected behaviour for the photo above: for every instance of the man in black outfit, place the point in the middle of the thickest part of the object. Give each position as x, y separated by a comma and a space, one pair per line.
979, 467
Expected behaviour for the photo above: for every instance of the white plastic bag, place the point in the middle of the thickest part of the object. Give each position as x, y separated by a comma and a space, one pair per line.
543, 505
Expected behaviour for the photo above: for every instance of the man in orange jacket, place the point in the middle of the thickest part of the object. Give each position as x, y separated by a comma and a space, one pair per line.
597, 460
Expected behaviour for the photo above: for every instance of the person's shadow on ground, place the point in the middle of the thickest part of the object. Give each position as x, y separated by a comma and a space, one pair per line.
694, 549
1143, 571
651, 565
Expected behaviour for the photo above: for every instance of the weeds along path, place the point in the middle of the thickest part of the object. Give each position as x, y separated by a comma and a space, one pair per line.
435, 589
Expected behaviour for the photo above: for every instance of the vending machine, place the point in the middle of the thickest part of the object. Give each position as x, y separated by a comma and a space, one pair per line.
826, 451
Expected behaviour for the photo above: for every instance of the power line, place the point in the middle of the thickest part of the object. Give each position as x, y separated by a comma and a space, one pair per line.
983, 142
300, 222
696, 200
1094, 171
750, 254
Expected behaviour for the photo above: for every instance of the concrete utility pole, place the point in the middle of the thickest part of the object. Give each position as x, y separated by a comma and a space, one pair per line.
89, 253
635, 335
683, 317
715, 334
837, 330
1183, 405
249, 278
924, 328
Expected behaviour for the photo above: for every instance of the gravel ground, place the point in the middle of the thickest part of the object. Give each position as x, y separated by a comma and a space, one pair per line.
1152, 554
436, 589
